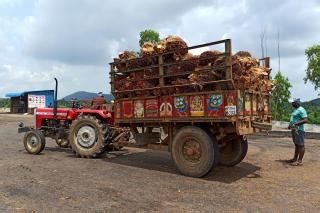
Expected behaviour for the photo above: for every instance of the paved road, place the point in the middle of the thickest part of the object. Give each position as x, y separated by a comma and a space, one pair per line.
144, 180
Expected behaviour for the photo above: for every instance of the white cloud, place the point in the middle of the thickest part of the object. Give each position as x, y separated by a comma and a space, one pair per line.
75, 40
6, 3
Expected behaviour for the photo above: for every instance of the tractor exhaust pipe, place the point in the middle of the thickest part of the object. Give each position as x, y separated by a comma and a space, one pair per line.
55, 102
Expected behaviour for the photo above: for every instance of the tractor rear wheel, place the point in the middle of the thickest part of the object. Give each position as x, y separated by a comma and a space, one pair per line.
34, 142
194, 152
88, 136
233, 152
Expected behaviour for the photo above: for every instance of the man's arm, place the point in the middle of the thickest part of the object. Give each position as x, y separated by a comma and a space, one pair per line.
298, 123
290, 125
303, 115
303, 121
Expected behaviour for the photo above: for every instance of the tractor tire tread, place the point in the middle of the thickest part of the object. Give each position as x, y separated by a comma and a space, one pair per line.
210, 151
40, 136
99, 147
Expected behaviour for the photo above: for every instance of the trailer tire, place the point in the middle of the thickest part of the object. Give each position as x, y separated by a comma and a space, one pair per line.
234, 152
194, 152
88, 136
34, 142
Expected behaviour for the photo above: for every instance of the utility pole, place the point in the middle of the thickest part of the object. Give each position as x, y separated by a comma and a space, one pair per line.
265, 43
261, 44
278, 50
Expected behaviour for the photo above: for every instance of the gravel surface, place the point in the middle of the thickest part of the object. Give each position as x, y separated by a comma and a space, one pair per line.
145, 180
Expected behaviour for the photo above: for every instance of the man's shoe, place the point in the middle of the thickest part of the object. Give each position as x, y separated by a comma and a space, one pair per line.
297, 163
291, 161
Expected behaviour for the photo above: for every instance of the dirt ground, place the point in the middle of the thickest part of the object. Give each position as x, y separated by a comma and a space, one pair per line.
144, 180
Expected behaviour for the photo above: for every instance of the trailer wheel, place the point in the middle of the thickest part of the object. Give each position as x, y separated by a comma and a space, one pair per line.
63, 142
233, 152
88, 136
34, 142
194, 152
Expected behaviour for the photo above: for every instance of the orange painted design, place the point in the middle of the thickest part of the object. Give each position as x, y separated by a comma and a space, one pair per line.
127, 109
151, 108
197, 105
166, 108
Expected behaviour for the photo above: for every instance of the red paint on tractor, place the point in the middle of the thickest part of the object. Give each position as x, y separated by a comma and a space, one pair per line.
71, 114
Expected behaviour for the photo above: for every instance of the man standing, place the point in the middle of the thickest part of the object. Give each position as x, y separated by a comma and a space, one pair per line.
297, 121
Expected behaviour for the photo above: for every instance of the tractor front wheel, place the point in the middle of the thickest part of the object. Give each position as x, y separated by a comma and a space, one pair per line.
88, 136
34, 142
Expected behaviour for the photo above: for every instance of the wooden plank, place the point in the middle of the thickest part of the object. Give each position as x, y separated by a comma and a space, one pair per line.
228, 51
172, 86
161, 71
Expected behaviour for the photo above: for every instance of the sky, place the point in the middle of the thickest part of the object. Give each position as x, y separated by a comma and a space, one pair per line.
75, 40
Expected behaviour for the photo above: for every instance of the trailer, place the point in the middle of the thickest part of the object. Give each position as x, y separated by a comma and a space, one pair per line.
203, 127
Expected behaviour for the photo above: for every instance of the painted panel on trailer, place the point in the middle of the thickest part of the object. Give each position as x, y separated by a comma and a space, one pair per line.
260, 104
254, 104
215, 105
197, 105
117, 109
181, 106
138, 108
247, 104
230, 100
266, 105
166, 107
240, 103
127, 109
151, 108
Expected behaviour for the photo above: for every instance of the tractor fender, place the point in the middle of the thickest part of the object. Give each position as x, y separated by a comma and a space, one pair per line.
101, 114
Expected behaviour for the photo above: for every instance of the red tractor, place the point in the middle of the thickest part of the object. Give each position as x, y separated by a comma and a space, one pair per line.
89, 132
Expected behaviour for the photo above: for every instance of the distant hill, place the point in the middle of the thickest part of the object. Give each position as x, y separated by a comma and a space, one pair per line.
315, 102
82, 95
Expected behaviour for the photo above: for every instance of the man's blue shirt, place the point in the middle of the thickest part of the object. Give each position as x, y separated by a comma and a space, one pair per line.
297, 115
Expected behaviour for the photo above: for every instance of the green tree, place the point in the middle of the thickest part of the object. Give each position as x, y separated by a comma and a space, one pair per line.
149, 35
280, 95
5, 103
313, 69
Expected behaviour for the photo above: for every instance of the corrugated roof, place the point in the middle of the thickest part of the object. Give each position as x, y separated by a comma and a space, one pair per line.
17, 94
13, 94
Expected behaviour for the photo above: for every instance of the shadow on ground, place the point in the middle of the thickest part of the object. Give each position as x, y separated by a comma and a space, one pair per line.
161, 161
59, 149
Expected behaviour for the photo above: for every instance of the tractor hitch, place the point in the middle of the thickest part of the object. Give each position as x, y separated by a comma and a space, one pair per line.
22, 128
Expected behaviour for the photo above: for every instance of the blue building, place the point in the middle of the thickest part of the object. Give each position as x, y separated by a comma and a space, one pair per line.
27, 101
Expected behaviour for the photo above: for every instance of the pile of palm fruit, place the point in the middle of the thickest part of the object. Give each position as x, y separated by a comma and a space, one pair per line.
183, 71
